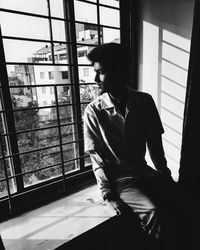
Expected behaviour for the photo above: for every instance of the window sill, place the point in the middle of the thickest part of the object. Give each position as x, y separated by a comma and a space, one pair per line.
54, 224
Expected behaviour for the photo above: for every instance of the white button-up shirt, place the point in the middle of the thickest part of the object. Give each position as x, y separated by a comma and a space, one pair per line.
120, 141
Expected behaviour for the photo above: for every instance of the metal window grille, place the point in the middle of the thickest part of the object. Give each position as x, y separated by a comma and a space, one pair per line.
41, 119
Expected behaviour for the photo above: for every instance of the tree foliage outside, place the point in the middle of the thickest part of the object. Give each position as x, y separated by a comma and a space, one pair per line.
34, 118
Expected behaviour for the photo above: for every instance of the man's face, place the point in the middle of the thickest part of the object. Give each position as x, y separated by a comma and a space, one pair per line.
104, 79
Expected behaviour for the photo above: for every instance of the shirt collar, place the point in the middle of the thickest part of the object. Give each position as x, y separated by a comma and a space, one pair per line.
106, 102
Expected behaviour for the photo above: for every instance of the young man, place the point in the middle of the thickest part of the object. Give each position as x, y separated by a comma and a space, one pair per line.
118, 125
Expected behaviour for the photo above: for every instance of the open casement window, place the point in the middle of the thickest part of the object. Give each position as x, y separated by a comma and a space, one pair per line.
46, 82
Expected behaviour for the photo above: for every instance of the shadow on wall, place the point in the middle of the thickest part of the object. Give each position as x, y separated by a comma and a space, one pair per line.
169, 54
164, 35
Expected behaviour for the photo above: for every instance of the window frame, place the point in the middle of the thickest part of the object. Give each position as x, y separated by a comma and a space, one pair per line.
72, 43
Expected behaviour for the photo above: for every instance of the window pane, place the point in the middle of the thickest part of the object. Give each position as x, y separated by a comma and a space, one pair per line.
24, 51
21, 97
57, 72
94, 1
70, 151
5, 146
3, 188
19, 75
2, 123
114, 3
85, 12
60, 53
86, 33
12, 183
68, 133
42, 175
56, 7
66, 114
64, 94
111, 35
35, 118
109, 17
2, 170
24, 26
87, 161
33, 6
86, 79
58, 28
82, 52
40, 159
37, 139
88, 92
71, 166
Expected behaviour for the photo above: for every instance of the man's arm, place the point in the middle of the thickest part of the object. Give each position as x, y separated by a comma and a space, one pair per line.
109, 195
156, 151
94, 145
98, 164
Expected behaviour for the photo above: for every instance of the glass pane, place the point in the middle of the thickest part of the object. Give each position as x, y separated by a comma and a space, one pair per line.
2, 170
40, 159
70, 151
71, 166
111, 35
86, 33
60, 53
12, 183
94, 1
87, 161
109, 17
86, 74
39, 75
58, 28
42, 175
1, 101
56, 7
24, 26
64, 92
85, 12
68, 133
35, 118
2, 123
66, 114
82, 52
3, 189
88, 92
4, 146
25, 51
33, 6
23, 98
114, 3
37, 139
19, 75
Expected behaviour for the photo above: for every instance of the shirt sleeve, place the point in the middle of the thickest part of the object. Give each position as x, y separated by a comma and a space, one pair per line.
92, 135
93, 144
100, 175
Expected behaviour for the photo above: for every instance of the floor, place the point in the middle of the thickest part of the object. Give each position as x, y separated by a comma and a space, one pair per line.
54, 224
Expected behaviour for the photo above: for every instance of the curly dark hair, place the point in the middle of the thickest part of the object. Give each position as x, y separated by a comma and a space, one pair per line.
111, 55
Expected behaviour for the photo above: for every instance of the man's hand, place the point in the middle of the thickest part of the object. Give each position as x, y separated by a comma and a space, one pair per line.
119, 207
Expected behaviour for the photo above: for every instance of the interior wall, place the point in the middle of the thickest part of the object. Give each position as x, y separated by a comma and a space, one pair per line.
164, 31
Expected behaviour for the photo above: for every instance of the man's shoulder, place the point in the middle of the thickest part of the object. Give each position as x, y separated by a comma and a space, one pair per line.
139, 96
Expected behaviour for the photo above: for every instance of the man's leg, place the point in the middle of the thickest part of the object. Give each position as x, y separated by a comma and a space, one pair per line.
132, 194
